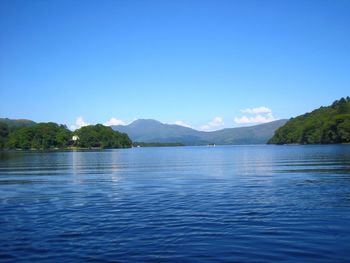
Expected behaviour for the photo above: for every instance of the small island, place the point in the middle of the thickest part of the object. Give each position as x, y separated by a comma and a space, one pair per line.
26, 135
326, 125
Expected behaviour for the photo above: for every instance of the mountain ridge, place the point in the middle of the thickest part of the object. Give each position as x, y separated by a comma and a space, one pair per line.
153, 131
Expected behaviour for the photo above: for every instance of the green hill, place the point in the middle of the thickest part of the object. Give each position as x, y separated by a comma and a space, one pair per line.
11, 123
38, 136
102, 137
325, 125
24, 134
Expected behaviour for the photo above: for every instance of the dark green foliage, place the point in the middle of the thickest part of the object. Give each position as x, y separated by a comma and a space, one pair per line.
12, 124
43, 136
325, 125
7, 126
102, 137
4, 131
39, 136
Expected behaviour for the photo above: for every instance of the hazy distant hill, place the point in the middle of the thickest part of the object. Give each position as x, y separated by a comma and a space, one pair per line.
324, 125
12, 123
148, 130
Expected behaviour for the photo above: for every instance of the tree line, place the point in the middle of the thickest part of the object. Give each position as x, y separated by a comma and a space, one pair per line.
326, 125
43, 136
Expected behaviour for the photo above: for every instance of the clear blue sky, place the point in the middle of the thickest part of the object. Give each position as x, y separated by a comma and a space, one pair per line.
176, 60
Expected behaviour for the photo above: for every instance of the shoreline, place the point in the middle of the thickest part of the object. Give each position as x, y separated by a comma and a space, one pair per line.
157, 146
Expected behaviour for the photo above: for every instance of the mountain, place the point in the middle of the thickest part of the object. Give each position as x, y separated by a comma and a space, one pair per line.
152, 131
257, 134
147, 130
324, 125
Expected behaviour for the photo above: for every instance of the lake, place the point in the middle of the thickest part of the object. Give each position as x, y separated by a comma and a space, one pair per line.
254, 203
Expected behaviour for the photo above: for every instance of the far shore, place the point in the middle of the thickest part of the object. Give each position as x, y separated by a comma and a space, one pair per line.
151, 145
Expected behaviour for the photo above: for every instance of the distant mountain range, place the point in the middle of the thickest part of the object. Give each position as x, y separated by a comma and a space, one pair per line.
152, 131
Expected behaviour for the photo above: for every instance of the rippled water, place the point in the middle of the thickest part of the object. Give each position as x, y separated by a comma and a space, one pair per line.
183, 204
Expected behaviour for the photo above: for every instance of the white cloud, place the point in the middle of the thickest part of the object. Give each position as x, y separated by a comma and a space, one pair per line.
79, 122
255, 115
214, 124
181, 123
257, 110
205, 127
255, 119
114, 121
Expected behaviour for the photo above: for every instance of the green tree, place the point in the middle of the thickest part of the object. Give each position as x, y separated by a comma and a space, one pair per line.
325, 125
39, 136
101, 136
4, 131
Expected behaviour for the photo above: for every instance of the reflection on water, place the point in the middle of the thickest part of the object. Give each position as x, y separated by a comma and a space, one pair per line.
229, 203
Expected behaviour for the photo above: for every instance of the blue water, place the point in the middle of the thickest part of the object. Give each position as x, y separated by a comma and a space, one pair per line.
181, 204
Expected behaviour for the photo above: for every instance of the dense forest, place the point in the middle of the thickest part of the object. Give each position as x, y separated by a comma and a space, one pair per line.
101, 136
325, 125
10, 123
42, 136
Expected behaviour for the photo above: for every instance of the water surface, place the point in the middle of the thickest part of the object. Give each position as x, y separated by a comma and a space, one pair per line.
181, 204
